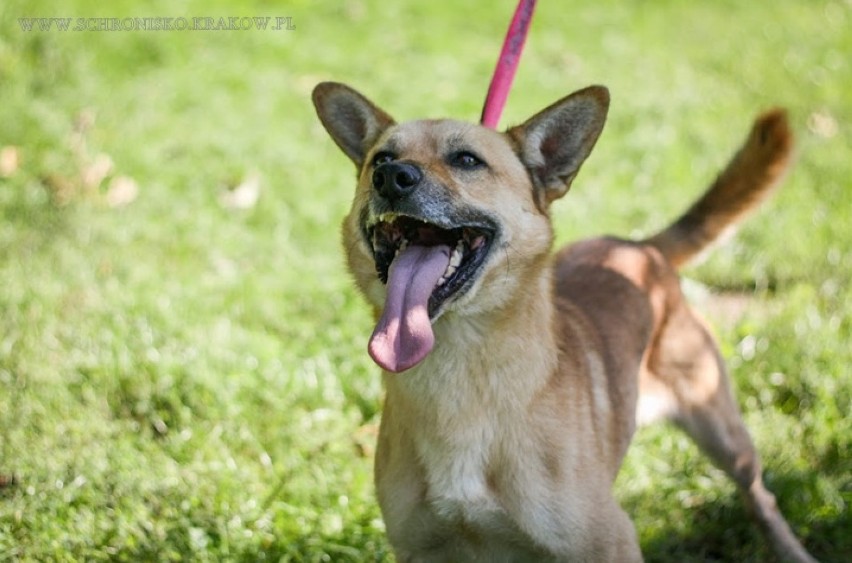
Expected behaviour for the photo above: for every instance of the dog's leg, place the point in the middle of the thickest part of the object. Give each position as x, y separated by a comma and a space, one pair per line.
689, 361
626, 546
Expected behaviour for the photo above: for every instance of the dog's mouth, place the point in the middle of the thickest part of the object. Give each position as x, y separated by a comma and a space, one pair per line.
424, 265
468, 247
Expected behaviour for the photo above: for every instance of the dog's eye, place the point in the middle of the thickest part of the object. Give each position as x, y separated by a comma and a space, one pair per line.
466, 160
383, 157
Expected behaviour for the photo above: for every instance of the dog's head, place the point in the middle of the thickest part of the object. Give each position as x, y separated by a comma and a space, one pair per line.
450, 218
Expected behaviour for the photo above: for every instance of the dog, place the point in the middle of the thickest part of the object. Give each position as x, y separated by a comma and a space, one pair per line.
515, 377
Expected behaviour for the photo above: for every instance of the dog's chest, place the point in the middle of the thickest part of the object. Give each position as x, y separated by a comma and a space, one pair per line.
457, 480
458, 490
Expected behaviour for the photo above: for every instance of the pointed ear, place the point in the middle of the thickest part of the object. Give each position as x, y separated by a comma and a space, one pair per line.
351, 119
555, 142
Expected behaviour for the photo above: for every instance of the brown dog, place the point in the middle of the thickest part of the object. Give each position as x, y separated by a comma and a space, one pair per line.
524, 373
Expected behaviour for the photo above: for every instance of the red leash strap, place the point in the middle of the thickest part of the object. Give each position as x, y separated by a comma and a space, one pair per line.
507, 64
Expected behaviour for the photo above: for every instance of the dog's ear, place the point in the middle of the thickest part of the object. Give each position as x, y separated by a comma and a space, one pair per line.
352, 120
555, 142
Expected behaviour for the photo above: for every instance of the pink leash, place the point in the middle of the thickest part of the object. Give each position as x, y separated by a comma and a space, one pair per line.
507, 64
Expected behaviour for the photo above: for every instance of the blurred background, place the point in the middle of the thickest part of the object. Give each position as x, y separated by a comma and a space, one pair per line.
183, 367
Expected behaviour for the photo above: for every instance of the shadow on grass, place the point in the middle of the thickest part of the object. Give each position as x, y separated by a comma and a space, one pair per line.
724, 531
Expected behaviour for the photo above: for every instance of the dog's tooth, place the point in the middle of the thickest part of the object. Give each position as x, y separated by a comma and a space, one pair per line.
403, 245
455, 259
477, 242
442, 281
450, 271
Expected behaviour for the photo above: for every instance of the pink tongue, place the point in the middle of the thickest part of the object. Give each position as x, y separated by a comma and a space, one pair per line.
403, 336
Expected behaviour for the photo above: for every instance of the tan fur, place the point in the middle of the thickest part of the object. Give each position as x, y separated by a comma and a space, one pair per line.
749, 178
503, 443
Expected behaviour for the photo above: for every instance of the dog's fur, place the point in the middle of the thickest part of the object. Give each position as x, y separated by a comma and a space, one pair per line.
503, 442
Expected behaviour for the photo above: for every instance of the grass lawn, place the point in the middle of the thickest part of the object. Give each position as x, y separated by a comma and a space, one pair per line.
183, 367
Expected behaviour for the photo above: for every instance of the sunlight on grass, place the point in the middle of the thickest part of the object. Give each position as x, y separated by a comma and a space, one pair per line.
183, 377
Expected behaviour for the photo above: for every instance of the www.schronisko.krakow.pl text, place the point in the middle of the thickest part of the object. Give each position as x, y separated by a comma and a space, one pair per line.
206, 23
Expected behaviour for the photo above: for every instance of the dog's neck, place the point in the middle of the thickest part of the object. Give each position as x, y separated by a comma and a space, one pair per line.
466, 371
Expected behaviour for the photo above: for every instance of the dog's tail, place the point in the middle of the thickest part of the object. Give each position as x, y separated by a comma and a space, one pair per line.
753, 173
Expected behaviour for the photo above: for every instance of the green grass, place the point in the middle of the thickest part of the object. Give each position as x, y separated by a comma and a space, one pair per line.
182, 380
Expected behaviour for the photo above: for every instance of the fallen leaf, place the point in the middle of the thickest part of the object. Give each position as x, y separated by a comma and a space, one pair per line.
243, 196
122, 191
10, 159
7, 481
823, 124
93, 174
61, 188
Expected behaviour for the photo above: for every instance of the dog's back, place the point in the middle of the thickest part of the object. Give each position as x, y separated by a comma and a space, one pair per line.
628, 291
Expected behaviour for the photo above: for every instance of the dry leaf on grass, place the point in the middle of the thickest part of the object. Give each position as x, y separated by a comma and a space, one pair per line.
93, 173
10, 160
244, 195
823, 124
122, 191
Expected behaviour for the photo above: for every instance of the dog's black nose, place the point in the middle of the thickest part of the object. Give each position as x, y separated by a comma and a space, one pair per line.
395, 180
